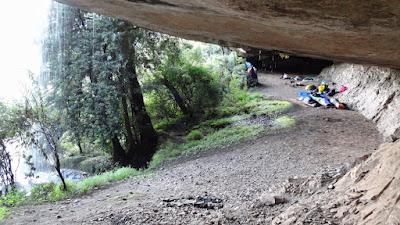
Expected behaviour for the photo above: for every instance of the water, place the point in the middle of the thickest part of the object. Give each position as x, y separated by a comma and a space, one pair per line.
44, 172
23, 51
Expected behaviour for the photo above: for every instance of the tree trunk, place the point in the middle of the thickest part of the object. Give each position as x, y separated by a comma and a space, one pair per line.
131, 137
118, 154
80, 146
147, 136
6, 172
128, 125
58, 169
178, 98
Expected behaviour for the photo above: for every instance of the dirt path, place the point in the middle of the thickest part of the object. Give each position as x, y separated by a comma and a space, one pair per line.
238, 175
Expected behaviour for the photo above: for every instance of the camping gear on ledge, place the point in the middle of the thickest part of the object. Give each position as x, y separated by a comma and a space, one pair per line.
342, 89
313, 96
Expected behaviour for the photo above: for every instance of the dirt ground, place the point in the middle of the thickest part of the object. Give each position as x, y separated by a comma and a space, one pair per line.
231, 182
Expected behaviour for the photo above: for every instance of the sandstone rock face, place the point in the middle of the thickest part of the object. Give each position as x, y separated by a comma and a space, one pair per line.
353, 30
372, 189
373, 91
367, 194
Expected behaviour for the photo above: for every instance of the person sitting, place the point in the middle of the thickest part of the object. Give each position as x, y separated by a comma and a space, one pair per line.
323, 88
307, 96
252, 77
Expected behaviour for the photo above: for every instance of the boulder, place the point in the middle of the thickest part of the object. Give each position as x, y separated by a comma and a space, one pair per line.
96, 165
72, 162
88, 164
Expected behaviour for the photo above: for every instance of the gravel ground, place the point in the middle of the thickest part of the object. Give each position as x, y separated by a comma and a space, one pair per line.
224, 186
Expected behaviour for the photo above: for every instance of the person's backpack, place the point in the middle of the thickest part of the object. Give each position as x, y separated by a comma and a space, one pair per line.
253, 73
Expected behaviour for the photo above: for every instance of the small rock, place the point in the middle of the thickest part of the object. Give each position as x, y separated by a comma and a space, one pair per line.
268, 199
391, 139
333, 210
59, 217
331, 187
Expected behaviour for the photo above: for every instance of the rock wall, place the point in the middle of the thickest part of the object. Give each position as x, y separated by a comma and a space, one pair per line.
371, 189
373, 91
367, 194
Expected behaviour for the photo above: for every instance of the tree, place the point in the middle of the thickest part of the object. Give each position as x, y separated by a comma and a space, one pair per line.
42, 129
92, 66
10, 126
7, 179
193, 87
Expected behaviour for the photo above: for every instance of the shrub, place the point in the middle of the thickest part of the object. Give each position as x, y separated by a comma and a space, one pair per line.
96, 165
206, 89
49, 192
161, 106
13, 198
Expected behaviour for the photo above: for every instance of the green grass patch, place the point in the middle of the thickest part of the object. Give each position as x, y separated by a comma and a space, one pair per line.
219, 131
194, 135
103, 179
270, 107
3, 212
165, 124
52, 192
285, 122
220, 138
222, 122
240, 102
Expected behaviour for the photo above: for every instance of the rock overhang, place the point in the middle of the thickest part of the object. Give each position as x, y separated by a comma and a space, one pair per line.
356, 31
